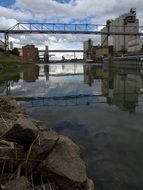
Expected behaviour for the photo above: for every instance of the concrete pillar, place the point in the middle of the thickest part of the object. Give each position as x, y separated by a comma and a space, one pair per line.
6, 37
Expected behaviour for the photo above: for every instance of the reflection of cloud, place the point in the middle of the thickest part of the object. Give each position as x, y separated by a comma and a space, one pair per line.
56, 85
16, 86
54, 69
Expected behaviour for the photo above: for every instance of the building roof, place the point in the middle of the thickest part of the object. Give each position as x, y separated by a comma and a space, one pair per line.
29, 45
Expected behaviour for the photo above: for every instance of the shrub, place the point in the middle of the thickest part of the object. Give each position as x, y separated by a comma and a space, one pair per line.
15, 51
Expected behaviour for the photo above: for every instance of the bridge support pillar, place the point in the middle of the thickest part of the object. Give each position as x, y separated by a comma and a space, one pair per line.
6, 38
46, 55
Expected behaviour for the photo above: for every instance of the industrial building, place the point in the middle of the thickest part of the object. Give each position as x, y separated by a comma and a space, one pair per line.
95, 53
124, 23
30, 52
135, 45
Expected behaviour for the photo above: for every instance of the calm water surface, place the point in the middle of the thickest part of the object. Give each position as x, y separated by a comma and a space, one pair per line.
99, 108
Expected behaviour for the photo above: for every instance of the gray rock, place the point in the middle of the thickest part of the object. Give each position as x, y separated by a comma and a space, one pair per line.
39, 124
48, 186
43, 145
22, 131
65, 160
21, 183
89, 185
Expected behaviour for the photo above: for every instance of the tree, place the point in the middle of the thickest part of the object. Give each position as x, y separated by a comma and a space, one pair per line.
15, 51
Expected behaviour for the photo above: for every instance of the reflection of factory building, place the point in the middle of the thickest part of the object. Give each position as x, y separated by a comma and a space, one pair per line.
46, 70
124, 23
30, 52
31, 73
91, 73
43, 72
120, 91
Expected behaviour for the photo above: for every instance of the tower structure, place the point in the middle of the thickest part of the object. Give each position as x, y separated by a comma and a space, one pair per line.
124, 23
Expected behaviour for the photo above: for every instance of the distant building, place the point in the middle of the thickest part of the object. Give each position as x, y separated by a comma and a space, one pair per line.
124, 23
88, 45
30, 52
2, 45
20, 52
11, 45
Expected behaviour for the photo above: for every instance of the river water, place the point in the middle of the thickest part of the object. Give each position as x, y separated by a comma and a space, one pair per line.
101, 109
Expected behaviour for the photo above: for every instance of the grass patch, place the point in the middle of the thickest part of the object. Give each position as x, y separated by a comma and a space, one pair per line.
8, 59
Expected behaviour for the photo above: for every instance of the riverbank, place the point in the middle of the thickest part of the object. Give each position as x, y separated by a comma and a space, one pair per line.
7, 58
9, 62
34, 157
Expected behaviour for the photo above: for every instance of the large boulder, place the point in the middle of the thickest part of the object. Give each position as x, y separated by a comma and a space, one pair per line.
23, 131
65, 161
21, 183
89, 185
47, 186
43, 145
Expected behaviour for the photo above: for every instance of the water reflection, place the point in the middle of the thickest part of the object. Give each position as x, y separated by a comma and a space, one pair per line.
7, 82
30, 74
91, 73
110, 137
120, 87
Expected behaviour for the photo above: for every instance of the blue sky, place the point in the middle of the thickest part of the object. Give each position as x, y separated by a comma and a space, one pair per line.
7, 3
63, 11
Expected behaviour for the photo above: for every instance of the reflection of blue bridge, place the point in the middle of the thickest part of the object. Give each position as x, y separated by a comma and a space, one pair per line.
61, 101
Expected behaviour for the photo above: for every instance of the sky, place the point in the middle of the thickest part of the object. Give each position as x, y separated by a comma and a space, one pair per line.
62, 11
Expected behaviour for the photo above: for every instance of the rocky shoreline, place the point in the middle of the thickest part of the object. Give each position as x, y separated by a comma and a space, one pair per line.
34, 157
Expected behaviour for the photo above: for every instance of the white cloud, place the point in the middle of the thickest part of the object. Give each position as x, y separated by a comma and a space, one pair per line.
7, 23
15, 13
80, 9
93, 11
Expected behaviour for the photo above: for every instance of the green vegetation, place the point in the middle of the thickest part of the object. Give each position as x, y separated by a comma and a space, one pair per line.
9, 59
15, 51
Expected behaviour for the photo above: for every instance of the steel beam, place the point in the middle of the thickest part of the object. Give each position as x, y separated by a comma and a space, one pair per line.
70, 32
72, 51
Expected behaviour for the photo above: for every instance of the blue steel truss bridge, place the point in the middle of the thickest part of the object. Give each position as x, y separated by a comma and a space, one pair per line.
61, 28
